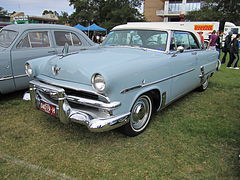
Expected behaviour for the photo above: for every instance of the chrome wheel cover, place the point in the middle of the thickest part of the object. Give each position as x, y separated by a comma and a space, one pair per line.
205, 84
141, 113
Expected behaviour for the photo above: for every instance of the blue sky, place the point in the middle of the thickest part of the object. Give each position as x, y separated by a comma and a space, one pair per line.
36, 7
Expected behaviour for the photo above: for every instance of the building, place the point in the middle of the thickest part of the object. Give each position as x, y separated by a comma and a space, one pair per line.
21, 18
4, 18
169, 10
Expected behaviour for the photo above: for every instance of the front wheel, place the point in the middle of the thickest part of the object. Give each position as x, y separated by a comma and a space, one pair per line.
204, 85
140, 115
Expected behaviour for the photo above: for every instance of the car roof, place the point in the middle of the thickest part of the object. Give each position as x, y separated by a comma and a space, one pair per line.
150, 26
20, 28
23, 27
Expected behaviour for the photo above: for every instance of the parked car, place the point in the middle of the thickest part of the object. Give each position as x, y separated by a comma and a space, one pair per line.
21, 42
2, 24
139, 68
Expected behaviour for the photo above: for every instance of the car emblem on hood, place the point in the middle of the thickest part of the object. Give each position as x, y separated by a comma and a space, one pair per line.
55, 70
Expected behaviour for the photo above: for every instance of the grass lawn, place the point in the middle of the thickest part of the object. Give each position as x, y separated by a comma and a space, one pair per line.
197, 137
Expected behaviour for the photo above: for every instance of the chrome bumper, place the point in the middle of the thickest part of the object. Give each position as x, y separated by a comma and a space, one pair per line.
66, 113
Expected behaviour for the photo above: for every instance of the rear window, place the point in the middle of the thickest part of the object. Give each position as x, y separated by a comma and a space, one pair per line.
37, 39
7, 37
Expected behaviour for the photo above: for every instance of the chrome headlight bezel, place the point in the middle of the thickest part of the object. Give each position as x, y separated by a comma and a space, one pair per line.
98, 83
28, 69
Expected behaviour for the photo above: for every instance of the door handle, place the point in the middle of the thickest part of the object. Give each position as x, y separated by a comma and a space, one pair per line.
52, 51
194, 53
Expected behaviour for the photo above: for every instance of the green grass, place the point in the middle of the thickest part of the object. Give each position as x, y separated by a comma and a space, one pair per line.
197, 137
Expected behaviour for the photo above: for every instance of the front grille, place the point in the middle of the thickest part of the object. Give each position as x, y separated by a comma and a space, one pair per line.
81, 94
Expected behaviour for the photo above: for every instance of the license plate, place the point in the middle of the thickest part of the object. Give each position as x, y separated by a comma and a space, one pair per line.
48, 108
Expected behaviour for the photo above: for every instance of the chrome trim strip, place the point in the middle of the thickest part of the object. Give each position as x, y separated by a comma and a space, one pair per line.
155, 82
6, 78
93, 103
136, 47
12, 77
19, 76
76, 89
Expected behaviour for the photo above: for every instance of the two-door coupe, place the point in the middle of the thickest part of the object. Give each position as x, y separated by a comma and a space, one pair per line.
138, 69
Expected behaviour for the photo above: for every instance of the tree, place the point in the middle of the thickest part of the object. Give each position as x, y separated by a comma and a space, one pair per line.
63, 18
106, 13
50, 12
3, 12
217, 10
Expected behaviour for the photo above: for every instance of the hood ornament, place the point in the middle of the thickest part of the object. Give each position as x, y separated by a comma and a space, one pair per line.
55, 70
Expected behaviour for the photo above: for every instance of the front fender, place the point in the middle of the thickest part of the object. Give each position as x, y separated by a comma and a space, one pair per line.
38, 63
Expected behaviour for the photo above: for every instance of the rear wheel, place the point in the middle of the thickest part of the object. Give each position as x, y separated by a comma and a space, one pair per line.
204, 85
140, 115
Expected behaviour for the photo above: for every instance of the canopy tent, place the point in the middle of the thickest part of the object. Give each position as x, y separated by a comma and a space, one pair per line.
80, 27
95, 27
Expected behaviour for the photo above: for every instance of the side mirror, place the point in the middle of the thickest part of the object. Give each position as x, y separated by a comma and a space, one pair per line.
180, 49
65, 49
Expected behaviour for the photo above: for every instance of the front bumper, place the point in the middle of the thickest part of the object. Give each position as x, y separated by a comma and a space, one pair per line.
91, 113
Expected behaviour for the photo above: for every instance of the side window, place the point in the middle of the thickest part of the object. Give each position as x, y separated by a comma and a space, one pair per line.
193, 42
39, 39
34, 40
63, 37
181, 39
76, 40
24, 43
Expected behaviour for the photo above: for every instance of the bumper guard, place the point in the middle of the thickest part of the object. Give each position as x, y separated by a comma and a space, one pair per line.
67, 114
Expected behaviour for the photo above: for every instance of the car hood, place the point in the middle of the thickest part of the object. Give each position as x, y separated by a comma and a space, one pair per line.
80, 67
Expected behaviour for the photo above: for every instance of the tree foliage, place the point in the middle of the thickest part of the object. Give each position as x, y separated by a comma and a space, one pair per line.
217, 10
63, 18
106, 13
50, 12
3, 12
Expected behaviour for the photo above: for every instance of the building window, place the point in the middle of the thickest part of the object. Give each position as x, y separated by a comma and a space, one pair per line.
175, 5
193, 5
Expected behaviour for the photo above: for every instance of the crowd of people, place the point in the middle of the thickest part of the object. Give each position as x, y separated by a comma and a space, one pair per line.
231, 47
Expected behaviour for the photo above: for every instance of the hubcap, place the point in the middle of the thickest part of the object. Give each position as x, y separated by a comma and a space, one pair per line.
205, 84
141, 113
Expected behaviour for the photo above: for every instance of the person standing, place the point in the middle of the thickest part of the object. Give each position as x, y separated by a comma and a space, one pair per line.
226, 48
213, 41
201, 37
234, 50
219, 43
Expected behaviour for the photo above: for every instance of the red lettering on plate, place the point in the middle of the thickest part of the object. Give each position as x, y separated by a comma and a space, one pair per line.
48, 108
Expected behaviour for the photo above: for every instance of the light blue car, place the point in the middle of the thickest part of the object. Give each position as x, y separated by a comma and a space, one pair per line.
139, 68
21, 42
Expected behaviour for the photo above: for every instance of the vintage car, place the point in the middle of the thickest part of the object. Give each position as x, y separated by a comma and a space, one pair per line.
21, 42
138, 69
2, 24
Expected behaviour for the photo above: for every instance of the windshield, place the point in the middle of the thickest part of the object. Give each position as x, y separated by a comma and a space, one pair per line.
7, 37
142, 38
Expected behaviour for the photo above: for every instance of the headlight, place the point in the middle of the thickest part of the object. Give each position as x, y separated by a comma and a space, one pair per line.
98, 82
28, 69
